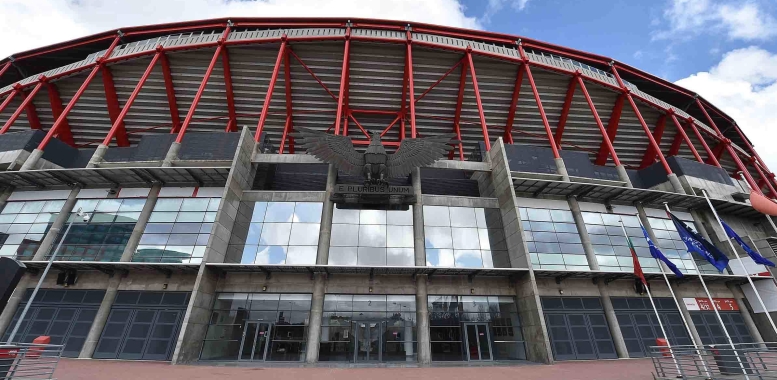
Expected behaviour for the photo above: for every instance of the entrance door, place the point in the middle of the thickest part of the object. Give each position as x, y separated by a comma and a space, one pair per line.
368, 337
478, 341
256, 336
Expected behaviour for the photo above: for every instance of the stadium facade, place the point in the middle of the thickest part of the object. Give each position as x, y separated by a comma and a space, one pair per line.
212, 237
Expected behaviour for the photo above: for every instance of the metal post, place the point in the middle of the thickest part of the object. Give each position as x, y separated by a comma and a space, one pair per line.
40, 281
270, 89
478, 100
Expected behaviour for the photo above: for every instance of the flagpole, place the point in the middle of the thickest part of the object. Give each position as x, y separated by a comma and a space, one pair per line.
759, 252
682, 316
652, 303
715, 309
730, 244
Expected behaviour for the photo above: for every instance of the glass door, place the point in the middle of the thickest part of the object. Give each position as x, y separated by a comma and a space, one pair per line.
478, 341
367, 338
256, 337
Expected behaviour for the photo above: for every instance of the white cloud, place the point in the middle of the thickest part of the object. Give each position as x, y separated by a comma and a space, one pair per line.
28, 24
495, 6
744, 85
737, 20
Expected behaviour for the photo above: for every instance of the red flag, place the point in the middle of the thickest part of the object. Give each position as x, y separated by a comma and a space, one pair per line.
763, 204
637, 267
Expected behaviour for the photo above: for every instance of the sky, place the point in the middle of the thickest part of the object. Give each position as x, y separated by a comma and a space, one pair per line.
724, 50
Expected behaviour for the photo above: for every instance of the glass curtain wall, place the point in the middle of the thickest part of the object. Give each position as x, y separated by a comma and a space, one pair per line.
372, 238
553, 239
450, 318
670, 243
24, 224
277, 233
105, 235
363, 328
464, 237
258, 326
611, 247
178, 230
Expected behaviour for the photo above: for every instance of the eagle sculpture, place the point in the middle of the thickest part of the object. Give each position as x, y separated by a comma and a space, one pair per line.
374, 164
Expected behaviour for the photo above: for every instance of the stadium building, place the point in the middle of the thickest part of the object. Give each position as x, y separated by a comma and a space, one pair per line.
212, 236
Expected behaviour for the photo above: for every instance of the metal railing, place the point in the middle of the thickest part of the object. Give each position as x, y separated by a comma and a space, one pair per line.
718, 361
28, 361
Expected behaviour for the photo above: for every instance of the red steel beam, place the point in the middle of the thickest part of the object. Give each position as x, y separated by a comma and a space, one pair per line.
651, 140
343, 75
287, 128
23, 106
411, 84
172, 103
270, 89
112, 101
764, 178
403, 102
537, 99
232, 123
460, 62
478, 100
605, 137
457, 112
562, 120
612, 129
704, 144
65, 134
508, 136
8, 99
650, 155
118, 124
320, 82
32, 114
769, 175
5, 68
681, 132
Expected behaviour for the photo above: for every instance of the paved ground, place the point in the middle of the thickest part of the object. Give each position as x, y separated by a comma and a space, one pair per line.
632, 369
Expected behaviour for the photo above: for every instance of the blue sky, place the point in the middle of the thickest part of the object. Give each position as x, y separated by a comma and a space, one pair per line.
725, 50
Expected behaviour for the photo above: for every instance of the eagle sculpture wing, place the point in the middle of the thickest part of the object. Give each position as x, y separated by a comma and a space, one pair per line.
333, 149
413, 153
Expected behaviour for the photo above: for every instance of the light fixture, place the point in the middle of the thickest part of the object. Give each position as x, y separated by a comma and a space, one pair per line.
472, 291
264, 288
370, 289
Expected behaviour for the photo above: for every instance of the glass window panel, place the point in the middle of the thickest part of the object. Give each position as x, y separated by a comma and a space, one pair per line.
303, 255
108, 205
32, 207
25, 218
279, 212
607, 260
53, 206
194, 216
483, 237
214, 203
465, 238
162, 217
439, 257
399, 236
308, 212
438, 237
254, 233
195, 204
127, 217
539, 215
345, 216
135, 204
550, 258
462, 217
400, 257
400, 218
168, 204
270, 255
345, 235
371, 256
249, 254
85, 205
465, 258
304, 234
480, 218
342, 256
13, 207
562, 216
436, 216
575, 260
159, 228
372, 217
275, 234
257, 215
592, 218
372, 236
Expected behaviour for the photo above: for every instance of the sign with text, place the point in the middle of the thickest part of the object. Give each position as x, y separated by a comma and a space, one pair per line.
703, 304
376, 189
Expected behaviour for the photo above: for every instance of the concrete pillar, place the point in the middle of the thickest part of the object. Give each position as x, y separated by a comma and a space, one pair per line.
140, 226
422, 321
532, 320
691, 326
314, 323
97, 157
64, 214
4, 196
623, 175
327, 211
561, 168
14, 301
32, 160
678, 187
418, 219
172, 154
577, 215
197, 316
101, 317
749, 322
612, 321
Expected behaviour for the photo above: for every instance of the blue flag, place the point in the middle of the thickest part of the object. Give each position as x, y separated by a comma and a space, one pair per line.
697, 244
657, 254
753, 254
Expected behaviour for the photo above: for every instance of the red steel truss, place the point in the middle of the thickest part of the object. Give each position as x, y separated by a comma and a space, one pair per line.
344, 114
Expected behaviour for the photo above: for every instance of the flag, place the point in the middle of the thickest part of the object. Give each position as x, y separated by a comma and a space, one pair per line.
753, 254
697, 244
637, 267
657, 254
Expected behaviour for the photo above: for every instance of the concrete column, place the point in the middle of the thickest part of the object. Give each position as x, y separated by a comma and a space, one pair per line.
14, 301
172, 154
749, 322
4, 196
561, 168
140, 226
100, 318
32, 160
197, 316
698, 219
678, 187
314, 324
612, 321
97, 157
687, 315
574, 206
327, 211
624, 176
418, 219
423, 335
64, 214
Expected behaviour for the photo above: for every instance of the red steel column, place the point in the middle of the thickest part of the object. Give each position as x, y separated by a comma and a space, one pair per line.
754, 153
562, 120
232, 123
457, 112
403, 103
172, 103
411, 82
288, 126
508, 136
203, 84
23, 106
710, 154
764, 178
605, 138
112, 101
271, 88
8, 99
343, 81
681, 133
537, 99
650, 155
32, 114
612, 129
5, 68
65, 134
118, 124
478, 100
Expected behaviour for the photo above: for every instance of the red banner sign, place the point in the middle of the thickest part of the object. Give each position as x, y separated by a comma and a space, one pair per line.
703, 304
